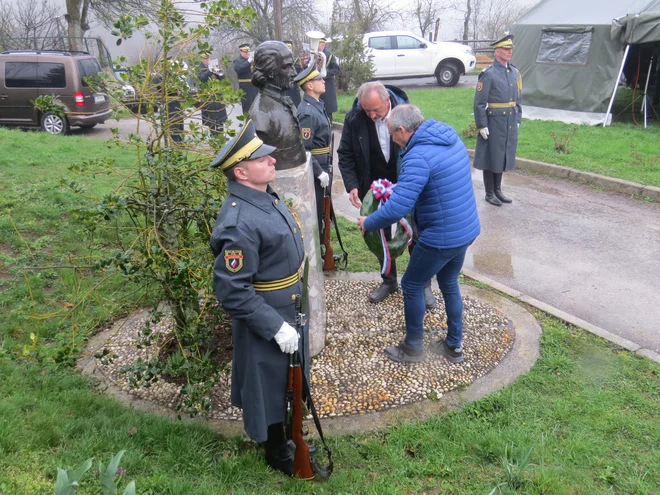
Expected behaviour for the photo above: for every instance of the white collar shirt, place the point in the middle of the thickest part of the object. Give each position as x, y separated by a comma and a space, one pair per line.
384, 134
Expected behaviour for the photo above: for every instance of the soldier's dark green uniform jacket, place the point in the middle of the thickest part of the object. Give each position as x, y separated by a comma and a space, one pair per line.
259, 250
332, 71
243, 69
497, 103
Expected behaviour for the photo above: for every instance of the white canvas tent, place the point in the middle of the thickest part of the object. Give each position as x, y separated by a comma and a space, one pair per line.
571, 54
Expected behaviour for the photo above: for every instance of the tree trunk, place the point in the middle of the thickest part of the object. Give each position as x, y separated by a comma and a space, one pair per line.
277, 14
75, 23
466, 22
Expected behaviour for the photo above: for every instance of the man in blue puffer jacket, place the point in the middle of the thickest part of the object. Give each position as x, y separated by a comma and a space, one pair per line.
436, 183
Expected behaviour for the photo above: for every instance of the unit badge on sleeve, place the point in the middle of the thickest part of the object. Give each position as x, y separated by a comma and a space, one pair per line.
306, 133
234, 260
480, 86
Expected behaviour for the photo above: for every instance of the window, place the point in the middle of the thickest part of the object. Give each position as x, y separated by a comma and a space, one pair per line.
407, 42
381, 43
88, 67
51, 75
21, 75
559, 47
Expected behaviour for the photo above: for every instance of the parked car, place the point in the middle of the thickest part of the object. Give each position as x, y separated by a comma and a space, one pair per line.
401, 54
27, 74
130, 98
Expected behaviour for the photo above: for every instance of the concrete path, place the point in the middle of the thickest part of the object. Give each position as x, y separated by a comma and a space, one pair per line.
592, 254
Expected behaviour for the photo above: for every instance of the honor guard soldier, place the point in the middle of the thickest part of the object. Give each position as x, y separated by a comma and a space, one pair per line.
498, 114
316, 133
214, 112
243, 68
332, 71
259, 254
294, 92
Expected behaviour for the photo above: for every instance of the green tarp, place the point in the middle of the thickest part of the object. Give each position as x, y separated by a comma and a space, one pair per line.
570, 52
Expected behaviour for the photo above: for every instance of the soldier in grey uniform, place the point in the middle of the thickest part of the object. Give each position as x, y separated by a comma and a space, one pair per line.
332, 71
243, 68
498, 115
294, 92
315, 132
214, 112
259, 254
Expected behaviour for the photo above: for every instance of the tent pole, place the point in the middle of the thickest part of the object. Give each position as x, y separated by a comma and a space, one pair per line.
645, 106
616, 85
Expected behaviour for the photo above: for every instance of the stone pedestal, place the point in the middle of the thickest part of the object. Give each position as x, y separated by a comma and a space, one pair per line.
296, 185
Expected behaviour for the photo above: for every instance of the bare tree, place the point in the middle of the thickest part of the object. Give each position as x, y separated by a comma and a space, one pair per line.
29, 24
499, 16
297, 19
425, 13
363, 15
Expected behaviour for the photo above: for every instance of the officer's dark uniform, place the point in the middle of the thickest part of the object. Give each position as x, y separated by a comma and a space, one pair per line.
214, 113
497, 105
243, 69
294, 92
332, 71
259, 255
316, 136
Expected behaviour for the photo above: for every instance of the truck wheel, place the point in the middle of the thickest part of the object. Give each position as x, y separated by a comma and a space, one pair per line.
54, 124
447, 75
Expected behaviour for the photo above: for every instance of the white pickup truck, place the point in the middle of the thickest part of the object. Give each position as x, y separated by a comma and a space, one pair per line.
401, 54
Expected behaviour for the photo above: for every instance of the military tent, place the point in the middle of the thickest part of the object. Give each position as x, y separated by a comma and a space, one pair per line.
571, 54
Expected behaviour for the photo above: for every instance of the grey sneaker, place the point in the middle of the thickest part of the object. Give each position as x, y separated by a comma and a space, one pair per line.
402, 353
429, 298
453, 355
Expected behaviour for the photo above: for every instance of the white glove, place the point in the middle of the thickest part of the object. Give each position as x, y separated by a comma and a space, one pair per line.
287, 338
324, 179
484, 132
518, 126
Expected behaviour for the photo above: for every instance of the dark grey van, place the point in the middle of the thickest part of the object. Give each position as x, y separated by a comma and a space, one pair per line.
28, 74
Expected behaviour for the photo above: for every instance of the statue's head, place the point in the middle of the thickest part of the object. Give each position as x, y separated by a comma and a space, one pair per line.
273, 64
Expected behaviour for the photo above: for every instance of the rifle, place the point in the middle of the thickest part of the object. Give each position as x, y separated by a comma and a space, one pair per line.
329, 257
305, 465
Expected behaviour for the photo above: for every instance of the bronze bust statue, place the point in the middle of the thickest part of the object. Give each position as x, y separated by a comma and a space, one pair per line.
273, 113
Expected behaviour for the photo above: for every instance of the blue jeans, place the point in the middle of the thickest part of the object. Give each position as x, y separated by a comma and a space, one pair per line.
445, 264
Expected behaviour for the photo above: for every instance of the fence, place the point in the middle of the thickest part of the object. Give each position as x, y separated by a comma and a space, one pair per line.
94, 46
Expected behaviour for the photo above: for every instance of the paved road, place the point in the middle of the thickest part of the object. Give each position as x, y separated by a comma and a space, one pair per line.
466, 81
592, 254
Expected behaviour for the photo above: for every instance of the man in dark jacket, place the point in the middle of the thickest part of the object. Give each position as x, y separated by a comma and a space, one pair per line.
436, 182
366, 153
329, 98
259, 253
243, 68
498, 114
214, 112
294, 92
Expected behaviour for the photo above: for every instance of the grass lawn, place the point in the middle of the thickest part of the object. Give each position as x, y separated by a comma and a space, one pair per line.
623, 150
583, 421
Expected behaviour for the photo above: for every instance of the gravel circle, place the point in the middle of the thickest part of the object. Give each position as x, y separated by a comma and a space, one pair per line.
351, 375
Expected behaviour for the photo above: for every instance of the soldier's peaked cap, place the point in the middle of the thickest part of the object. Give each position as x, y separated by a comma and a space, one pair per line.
245, 47
506, 42
307, 74
246, 145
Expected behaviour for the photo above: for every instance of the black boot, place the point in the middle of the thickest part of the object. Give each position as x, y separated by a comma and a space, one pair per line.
278, 455
498, 189
489, 185
429, 298
388, 286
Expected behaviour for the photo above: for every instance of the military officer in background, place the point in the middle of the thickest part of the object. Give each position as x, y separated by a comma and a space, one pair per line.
332, 71
259, 254
294, 92
316, 134
243, 68
214, 112
498, 114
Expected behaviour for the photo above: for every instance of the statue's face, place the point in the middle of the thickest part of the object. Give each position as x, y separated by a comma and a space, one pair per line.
284, 74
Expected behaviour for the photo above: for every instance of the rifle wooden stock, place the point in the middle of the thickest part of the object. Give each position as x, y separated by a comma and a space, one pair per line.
329, 258
302, 465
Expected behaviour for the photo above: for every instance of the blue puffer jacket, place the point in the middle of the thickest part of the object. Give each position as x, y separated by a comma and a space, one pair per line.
436, 181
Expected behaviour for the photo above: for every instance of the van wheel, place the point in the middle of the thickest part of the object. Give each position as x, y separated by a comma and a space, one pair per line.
447, 75
54, 124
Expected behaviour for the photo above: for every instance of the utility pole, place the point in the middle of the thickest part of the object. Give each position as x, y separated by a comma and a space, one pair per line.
277, 13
